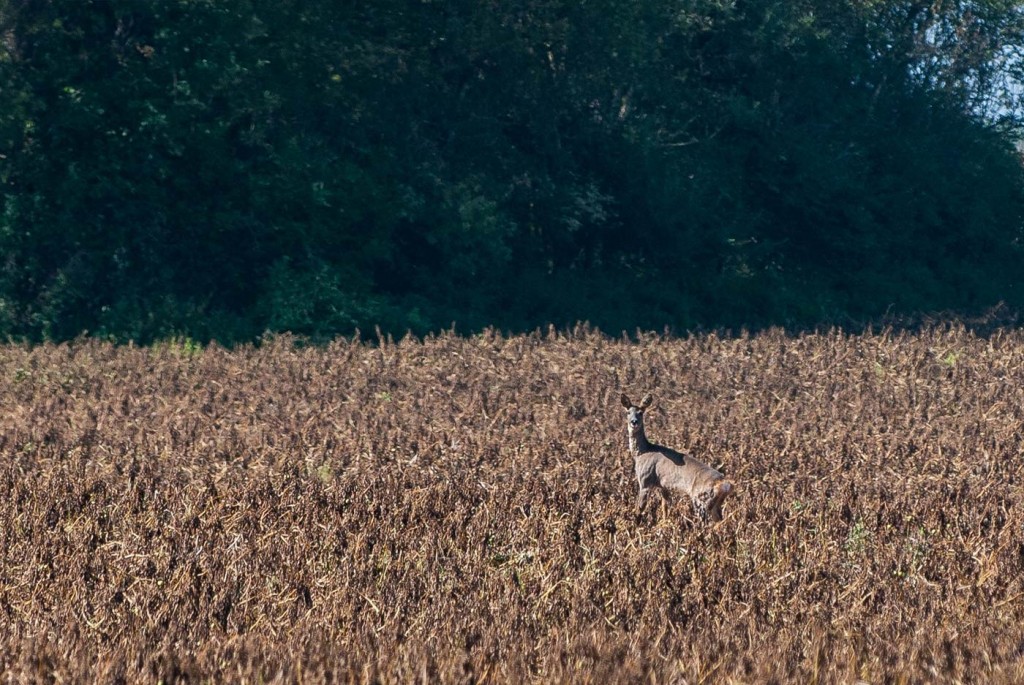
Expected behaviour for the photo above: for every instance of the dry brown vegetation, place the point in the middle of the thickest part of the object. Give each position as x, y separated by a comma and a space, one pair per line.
462, 510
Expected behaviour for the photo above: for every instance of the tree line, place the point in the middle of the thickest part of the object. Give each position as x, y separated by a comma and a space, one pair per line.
219, 168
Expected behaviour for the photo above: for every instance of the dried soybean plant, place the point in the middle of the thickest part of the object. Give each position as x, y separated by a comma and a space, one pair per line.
460, 509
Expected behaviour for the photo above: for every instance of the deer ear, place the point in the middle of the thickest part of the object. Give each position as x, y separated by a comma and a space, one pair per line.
625, 401
646, 401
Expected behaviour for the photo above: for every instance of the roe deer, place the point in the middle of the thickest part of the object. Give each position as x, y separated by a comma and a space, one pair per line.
661, 467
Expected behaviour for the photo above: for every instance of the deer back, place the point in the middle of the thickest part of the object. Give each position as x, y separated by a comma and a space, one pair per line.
675, 471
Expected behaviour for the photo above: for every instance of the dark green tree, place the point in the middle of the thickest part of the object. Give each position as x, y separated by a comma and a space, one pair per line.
219, 169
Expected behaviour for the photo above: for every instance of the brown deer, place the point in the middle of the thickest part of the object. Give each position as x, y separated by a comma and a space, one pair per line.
661, 467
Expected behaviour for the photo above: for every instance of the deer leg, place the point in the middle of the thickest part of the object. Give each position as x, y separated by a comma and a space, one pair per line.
703, 504
641, 499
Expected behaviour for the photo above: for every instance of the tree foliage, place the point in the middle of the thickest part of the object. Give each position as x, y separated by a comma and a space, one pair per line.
224, 168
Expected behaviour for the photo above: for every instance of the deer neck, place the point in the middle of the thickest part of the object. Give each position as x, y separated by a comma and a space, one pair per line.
637, 441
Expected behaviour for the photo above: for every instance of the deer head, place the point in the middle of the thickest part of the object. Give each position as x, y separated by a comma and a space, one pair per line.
635, 413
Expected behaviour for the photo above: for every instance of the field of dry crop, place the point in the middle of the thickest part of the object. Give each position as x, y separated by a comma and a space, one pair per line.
463, 510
